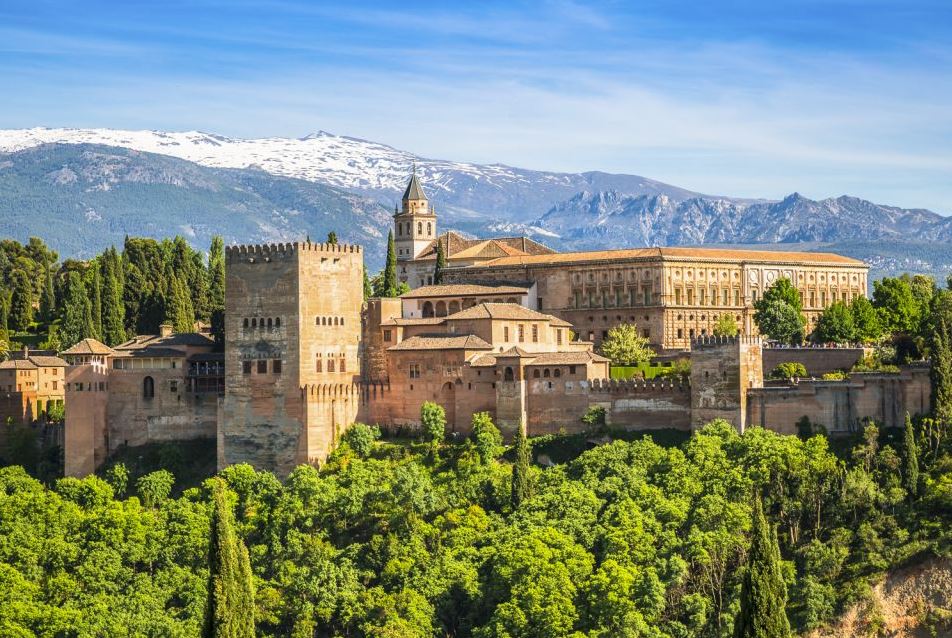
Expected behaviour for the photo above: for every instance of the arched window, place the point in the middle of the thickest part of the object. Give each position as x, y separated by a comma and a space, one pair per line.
148, 388
429, 229
557, 373
277, 322
270, 323
254, 323
507, 375
245, 322
428, 309
330, 365
535, 374
440, 308
546, 373
399, 229
419, 228
454, 307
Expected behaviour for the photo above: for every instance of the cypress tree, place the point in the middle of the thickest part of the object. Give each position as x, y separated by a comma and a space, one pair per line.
229, 612
368, 289
21, 301
521, 487
763, 597
440, 263
910, 473
216, 274
113, 330
198, 286
48, 297
941, 374
179, 311
390, 270
77, 316
95, 301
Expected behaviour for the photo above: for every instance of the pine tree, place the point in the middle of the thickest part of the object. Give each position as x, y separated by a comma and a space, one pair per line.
113, 331
229, 612
390, 285
94, 286
216, 274
440, 263
521, 486
21, 301
48, 297
76, 312
763, 597
910, 461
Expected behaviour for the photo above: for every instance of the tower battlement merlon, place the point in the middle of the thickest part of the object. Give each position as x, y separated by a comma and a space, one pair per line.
714, 341
267, 252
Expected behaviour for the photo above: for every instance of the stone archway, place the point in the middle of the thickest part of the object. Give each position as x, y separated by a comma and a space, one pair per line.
454, 307
427, 308
441, 308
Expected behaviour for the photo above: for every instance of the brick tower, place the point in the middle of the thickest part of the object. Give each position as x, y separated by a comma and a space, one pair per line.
722, 370
292, 332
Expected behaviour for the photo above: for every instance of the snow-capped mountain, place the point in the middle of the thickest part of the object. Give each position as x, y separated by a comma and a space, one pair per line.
464, 190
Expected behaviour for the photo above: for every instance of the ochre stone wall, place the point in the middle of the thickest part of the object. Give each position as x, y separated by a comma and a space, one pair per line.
85, 438
723, 369
842, 406
817, 361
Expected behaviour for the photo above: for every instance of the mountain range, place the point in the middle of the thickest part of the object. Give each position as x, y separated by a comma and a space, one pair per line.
95, 185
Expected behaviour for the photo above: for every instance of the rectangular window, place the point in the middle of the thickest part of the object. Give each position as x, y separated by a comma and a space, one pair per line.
736, 297
646, 294
330, 365
646, 333
725, 297
632, 297
276, 366
522, 333
414, 370
677, 296
54, 385
812, 299
753, 295
173, 386
386, 335
690, 296
246, 367
505, 333
262, 366
823, 298
343, 364
701, 298
571, 369
618, 298
578, 299
319, 366
558, 337
535, 333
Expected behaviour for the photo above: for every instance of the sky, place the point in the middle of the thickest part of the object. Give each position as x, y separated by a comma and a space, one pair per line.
747, 99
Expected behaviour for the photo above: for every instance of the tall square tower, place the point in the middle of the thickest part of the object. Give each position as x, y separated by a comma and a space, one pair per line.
292, 332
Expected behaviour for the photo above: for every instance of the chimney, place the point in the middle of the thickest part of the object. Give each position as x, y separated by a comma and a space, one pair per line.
165, 330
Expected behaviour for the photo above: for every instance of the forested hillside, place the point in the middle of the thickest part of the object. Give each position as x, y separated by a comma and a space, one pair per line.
422, 539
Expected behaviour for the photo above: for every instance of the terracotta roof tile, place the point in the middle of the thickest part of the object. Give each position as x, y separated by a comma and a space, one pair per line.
676, 253
17, 364
45, 361
453, 290
567, 358
425, 321
501, 311
89, 346
449, 342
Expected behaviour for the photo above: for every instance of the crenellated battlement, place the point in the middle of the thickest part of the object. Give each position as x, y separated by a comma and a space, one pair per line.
708, 341
267, 252
315, 390
640, 386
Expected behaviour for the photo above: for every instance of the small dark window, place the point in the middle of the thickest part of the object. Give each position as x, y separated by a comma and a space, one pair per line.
386, 335
245, 322
557, 373
254, 323
546, 373
571, 369
277, 322
246, 367
148, 388
270, 323
262, 366
535, 374
276, 366
508, 375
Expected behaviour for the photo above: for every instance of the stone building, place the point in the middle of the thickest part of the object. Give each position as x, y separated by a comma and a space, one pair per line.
152, 388
292, 339
31, 383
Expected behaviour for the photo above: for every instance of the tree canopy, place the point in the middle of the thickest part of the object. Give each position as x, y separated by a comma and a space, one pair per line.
624, 345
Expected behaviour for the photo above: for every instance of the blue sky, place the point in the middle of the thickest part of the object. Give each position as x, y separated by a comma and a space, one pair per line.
751, 99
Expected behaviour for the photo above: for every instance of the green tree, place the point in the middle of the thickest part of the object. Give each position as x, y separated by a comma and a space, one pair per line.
229, 612
155, 487
782, 290
390, 286
789, 370
368, 289
780, 321
360, 437
48, 296
440, 264
865, 320
94, 286
113, 330
216, 274
835, 324
726, 326
899, 312
332, 238
940, 372
180, 313
486, 437
118, 477
910, 459
433, 420
763, 596
76, 323
21, 302
625, 346
521, 468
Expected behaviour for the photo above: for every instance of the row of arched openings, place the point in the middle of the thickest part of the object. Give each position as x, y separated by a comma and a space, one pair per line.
254, 323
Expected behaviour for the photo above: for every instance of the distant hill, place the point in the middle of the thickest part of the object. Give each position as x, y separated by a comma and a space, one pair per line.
82, 198
66, 182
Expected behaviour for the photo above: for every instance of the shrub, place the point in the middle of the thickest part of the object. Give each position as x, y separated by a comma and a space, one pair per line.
788, 370
594, 417
836, 375
360, 437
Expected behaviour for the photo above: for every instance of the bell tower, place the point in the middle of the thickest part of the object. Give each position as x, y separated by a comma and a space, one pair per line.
415, 224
